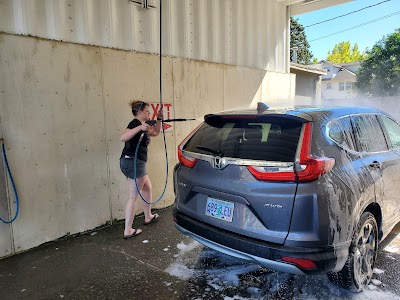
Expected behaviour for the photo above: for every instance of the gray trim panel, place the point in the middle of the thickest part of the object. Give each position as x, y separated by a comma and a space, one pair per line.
274, 265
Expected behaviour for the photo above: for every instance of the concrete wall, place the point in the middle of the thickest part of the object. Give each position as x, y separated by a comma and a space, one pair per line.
63, 107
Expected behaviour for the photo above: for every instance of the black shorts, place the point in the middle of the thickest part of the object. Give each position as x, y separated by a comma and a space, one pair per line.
127, 167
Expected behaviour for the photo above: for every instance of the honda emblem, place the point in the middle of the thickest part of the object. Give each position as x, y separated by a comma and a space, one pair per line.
218, 163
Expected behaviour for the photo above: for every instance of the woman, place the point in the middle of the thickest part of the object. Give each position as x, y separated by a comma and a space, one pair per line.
130, 137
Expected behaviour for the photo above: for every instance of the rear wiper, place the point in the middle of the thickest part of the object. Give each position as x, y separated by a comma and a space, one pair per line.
208, 149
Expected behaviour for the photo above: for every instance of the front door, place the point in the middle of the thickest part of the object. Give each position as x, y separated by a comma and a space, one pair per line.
392, 177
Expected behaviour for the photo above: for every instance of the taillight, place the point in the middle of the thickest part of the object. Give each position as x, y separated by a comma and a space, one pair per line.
311, 168
186, 160
315, 168
260, 173
301, 262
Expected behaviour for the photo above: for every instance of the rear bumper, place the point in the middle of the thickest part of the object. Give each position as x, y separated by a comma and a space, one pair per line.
274, 265
260, 252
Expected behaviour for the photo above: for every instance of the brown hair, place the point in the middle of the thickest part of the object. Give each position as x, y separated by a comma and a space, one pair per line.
137, 105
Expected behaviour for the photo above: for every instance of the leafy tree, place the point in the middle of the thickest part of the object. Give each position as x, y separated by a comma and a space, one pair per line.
315, 60
343, 53
379, 74
298, 39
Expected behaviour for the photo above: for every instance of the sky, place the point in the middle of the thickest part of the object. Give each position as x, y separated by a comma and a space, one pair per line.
365, 36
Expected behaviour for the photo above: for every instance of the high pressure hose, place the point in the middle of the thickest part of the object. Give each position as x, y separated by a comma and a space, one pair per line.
166, 177
141, 137
13, 185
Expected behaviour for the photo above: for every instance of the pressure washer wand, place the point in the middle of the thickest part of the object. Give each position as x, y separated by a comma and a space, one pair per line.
153, 122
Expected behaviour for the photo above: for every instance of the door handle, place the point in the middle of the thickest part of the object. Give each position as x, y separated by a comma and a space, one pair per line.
375, 164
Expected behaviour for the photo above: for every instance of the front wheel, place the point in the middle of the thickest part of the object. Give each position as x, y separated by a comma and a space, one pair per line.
357, 271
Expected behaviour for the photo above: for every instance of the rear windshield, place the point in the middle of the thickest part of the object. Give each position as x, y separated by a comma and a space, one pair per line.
270, 139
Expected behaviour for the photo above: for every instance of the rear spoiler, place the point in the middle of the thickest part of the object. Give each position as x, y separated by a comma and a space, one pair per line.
304, 118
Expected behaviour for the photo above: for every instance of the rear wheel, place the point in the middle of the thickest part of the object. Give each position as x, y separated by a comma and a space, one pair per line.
357, 272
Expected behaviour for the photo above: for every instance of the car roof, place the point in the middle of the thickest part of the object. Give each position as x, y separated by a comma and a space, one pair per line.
308, 112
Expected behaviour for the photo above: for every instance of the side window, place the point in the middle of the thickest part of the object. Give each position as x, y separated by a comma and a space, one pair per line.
393, 131
342, 133
368, 133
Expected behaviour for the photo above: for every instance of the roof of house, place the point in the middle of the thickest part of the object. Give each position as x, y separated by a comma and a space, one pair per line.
308, 68
331, 63
343, 75
349, 64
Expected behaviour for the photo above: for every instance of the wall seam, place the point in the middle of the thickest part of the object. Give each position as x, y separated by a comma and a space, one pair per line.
8, 197
106, 135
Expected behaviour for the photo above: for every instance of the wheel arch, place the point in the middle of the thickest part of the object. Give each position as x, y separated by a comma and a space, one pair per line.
375, 209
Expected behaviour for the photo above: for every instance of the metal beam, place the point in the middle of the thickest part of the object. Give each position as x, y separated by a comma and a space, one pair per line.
313, 5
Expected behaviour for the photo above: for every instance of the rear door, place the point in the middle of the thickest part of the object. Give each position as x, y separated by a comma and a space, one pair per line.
381, 162
224, 147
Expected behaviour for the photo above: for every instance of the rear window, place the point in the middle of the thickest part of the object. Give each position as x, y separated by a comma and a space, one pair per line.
258, 138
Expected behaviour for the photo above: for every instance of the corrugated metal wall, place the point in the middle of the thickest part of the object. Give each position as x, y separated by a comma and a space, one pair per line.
237, 32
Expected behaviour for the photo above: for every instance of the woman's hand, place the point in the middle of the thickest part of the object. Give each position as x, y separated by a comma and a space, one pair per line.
160, 114
144, 126
155, 130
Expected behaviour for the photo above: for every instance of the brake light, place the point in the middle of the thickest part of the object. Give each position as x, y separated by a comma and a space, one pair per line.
260, 174
239, 117
186, 160
301, 262
312, 168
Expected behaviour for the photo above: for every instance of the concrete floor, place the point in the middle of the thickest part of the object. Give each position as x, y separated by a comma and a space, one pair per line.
161, 263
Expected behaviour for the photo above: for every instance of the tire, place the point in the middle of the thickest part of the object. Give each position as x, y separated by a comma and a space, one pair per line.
357, 271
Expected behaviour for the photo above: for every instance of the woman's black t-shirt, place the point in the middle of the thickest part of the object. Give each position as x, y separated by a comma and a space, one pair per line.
130, 146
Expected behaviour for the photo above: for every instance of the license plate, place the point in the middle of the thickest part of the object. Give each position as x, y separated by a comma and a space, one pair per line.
219, 209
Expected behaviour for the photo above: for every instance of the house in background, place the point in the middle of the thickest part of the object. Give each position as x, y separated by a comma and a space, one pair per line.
308, 84
339, 79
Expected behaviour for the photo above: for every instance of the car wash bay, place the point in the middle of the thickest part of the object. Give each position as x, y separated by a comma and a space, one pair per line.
65, 88
68, 70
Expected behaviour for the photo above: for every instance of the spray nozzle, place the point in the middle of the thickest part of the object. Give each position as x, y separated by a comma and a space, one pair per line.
151, 122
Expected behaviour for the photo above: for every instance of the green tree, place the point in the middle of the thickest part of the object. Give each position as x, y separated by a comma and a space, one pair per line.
343, 53
379, 74
298, 39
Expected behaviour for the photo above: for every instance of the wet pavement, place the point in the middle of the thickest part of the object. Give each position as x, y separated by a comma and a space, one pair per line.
161, 263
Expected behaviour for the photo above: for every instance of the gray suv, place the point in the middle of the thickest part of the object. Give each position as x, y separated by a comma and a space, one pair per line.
303, 191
